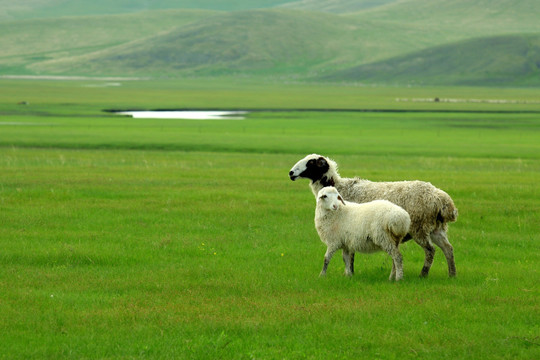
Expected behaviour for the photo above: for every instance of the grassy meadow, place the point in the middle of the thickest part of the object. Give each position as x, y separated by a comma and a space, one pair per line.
130, 238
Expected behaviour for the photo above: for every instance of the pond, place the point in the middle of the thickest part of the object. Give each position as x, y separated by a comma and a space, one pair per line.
187, 114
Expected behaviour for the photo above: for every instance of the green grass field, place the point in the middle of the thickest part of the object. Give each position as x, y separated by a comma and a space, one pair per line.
128, 238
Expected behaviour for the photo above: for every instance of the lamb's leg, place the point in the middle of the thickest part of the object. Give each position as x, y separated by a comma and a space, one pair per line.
397, 264
348, 259
428, 261
398, 260
327, 257
441, 240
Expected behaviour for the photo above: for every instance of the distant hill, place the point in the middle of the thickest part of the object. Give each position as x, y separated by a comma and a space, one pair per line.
74, 34
31, 9
336, 6
499, 60
301, 39
261, 42
27, 42
449, 21
452, 14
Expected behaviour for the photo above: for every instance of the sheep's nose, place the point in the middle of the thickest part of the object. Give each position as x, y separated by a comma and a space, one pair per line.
291, 175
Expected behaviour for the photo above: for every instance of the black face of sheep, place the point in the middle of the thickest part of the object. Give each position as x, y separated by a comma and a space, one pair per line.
311, 167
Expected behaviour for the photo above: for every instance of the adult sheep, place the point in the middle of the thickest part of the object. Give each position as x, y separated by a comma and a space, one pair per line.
378, 225
430, 208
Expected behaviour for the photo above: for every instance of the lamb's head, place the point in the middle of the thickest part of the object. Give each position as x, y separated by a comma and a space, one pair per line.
329, 198
316, 168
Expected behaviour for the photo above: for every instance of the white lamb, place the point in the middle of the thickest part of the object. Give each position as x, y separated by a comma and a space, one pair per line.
374, 226
430, 208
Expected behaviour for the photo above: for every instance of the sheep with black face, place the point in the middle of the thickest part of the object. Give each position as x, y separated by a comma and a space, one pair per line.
429, 208
374, 226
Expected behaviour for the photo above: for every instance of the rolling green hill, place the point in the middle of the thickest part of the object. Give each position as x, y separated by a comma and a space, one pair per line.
21, 9
328, 41
426, 23
25, 42
25, 9
336, 6
499, 60
507, 15
262, 42
53, 35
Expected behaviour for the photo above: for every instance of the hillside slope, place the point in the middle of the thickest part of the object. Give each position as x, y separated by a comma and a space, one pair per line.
52, 35
483, 17
26, 42
500, 60
336, 6
252, 41
328, 41
31, 9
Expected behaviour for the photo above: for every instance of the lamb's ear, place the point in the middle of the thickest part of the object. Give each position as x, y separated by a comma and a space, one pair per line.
341, 199
321, 162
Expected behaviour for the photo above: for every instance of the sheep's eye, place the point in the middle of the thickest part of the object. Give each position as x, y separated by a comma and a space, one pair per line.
324, 197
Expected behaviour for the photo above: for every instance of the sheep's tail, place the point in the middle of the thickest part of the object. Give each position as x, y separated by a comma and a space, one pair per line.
448, 211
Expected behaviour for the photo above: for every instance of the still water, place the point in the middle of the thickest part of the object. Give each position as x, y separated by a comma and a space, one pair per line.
187, 115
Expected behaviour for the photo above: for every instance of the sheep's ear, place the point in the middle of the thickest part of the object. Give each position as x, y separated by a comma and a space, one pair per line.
321, 162
341, 199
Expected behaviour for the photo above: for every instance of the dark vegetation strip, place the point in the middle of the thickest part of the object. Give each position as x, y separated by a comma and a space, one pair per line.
341, 110
224, 149
148, 146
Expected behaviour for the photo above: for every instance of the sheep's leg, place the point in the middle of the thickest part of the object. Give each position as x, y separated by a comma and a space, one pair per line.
327, 257
441, 240
348, 259
393, 272
428, 261
398, 261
